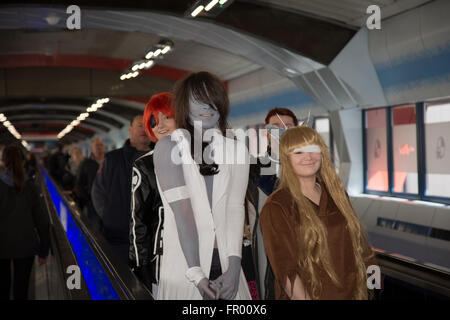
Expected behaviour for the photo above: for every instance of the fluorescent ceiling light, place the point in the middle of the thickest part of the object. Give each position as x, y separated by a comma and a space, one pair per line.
157, 52
197, 11
165, 50
222, 1
149, 64
211, 4
149, 55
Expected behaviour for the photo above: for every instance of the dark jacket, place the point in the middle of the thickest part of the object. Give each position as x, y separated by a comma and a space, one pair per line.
57, 166
111, 194
85, 178
21, 215
147, 218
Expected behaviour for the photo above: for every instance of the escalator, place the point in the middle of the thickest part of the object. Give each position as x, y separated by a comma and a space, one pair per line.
78, 249
408, 280
81, 264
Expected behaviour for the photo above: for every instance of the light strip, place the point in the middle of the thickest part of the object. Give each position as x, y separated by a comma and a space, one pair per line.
197, 11
94, 107
211, 4
8, 125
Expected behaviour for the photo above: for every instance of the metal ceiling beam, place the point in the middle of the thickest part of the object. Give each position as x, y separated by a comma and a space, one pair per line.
111, 115
88, 123
68, 113
311, 37
86, 61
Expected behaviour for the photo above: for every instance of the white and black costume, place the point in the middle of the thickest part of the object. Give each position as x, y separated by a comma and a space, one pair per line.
188, 247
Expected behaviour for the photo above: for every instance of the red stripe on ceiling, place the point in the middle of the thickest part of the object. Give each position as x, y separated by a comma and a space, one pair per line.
81, 61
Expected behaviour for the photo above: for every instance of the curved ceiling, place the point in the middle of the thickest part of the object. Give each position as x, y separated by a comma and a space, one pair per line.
50, 73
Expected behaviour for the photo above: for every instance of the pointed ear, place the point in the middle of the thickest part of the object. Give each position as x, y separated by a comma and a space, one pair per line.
306, 121
309, 116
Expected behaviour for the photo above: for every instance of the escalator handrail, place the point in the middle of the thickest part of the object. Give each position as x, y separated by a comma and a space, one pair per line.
61, 247
126, 284
414, 273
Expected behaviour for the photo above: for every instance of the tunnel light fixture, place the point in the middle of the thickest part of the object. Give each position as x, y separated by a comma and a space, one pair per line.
197, 11
207, 8
211, 4
129, 75
165, 50
157, 51
8, 125
26, 145
82, 116
149, 55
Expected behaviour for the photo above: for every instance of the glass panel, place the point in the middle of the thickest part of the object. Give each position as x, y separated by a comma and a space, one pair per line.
377, 169
404, 147
322, 126
437, 149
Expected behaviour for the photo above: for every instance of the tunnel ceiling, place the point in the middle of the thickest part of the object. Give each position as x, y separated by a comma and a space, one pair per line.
53, 73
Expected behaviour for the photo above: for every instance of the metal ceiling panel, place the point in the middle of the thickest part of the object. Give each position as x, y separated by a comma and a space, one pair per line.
350, 12
250, 51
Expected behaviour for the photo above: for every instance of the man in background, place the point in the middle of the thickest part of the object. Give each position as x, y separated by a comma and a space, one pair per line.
111, 194
85, 178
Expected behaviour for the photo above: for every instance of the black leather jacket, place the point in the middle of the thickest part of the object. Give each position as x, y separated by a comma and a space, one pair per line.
147, 217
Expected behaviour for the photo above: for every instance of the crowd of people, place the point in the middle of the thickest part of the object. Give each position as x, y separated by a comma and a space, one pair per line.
277, 227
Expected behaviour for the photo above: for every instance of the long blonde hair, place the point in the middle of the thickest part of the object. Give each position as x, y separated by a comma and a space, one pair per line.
314, 253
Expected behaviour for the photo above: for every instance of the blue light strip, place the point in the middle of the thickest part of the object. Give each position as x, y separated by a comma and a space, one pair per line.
98, 283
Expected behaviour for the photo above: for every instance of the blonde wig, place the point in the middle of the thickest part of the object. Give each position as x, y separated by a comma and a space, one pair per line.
312, 235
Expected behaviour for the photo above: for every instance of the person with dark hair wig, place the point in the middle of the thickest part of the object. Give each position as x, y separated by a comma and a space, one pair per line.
147, 214
203, 196
21, 213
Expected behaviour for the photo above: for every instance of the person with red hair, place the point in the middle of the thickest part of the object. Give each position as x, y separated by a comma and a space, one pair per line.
159, 116
147, 214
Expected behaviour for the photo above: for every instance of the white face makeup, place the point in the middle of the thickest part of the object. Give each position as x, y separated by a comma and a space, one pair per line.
199, 111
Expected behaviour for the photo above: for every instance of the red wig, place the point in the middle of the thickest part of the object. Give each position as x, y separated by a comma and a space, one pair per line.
161, 102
